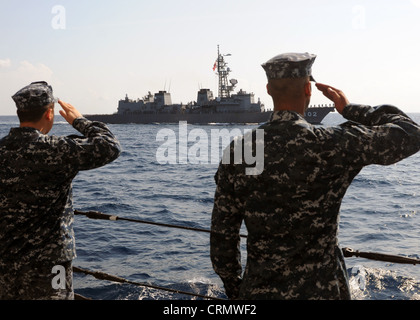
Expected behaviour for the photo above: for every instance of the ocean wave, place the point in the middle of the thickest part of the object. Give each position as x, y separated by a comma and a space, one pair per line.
380, 284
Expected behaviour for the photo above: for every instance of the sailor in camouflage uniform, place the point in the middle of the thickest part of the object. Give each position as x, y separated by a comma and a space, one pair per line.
291, 209
36, 212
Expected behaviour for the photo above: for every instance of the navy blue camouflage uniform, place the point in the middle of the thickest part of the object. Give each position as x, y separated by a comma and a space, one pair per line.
36, 209
291, 210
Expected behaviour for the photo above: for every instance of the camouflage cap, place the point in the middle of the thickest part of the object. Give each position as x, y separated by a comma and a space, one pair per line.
36, 95
290, 65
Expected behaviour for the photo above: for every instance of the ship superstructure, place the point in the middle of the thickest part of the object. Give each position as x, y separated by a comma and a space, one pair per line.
226, 102
229, 107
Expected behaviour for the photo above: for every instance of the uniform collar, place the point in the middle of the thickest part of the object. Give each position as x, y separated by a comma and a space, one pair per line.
24, 131
286, 115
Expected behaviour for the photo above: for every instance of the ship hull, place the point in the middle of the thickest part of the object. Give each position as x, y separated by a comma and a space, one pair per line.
313, 115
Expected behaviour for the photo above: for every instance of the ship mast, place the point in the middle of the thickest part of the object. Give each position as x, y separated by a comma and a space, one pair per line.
223, 72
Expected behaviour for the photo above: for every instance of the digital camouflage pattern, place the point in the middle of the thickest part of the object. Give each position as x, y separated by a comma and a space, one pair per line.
36, 210
291, 210
290, 65
36, 95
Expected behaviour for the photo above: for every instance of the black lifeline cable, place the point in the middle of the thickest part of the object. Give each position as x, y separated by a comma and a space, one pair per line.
105, 276
103, 216
347, 252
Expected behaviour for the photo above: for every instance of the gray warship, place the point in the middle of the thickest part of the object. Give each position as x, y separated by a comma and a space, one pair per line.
227, 107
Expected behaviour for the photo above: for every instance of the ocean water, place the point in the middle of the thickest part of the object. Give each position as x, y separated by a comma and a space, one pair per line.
380, 213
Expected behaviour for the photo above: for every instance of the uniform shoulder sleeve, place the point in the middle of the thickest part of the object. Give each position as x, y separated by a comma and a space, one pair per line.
379, 135
97, 147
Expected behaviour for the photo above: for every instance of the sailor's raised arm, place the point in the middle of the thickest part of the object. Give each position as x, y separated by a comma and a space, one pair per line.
335, 95
97, 147
375, 135
68, 112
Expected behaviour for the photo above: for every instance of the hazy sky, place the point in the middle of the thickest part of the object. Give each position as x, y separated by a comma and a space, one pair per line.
94, 52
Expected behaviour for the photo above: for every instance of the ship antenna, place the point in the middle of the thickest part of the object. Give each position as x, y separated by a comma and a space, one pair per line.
223, 72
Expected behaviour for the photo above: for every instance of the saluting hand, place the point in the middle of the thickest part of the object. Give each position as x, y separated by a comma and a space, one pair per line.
69, 112
335, 95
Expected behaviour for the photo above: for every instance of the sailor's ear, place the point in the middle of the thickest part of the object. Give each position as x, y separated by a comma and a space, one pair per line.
49, 114
268, 89
308, 89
